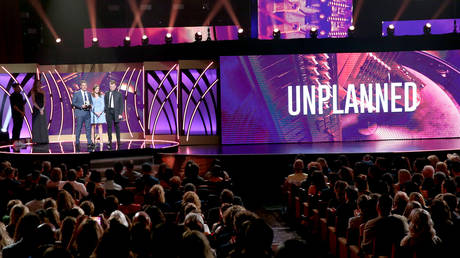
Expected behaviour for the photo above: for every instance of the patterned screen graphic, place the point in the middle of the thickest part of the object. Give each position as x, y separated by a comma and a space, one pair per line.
6, 81
295, 18
255, 97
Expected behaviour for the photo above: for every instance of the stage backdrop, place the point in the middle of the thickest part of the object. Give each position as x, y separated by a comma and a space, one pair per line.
340, 97
295, 18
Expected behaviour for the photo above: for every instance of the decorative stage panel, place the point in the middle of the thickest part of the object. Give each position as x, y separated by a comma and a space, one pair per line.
295, 18
340, 97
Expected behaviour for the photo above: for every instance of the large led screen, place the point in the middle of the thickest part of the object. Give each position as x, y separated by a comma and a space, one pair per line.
340, 97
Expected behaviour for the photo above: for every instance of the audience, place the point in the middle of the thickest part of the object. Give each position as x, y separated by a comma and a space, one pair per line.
382, 205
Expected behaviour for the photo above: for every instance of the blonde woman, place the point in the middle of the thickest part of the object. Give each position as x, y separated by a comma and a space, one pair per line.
97, 113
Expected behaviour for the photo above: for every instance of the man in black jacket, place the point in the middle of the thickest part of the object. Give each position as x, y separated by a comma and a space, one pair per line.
113, 105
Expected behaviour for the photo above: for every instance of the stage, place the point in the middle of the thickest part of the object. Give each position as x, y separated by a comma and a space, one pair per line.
69, 148
356, 147
147, 147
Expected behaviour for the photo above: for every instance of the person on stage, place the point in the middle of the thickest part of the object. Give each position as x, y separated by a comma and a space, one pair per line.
39, 124
82, 103
114, 106
17, 111
97, 113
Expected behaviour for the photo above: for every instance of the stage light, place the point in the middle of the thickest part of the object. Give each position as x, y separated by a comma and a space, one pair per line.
276, 33
58, 41
198, 36
127, 41
351, 31
313, 33
241, 33
145, 40
391, 30
427, 29
95, 42
168, 38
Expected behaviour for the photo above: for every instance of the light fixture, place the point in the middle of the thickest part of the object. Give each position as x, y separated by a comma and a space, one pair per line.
95, 42
145, 40
276, 33
313, 33
241, 33
168, 38
391, 30
127, 41
427, 29
58, 41
198, 36
351, 31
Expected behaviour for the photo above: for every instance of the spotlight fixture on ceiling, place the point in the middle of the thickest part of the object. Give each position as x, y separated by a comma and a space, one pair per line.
198, 36
351, 31
168, 38
95, 42
427, 29
241, 34
391, 30
276, 33
127, 41
313, 33
58, 41
145, 40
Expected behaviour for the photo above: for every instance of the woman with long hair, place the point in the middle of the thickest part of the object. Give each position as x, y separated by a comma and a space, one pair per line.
39, 121
421, 239
97, 113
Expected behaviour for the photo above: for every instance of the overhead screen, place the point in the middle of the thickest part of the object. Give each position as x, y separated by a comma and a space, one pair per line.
340, 97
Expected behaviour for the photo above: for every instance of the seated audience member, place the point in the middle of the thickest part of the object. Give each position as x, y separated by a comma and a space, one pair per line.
174, 194
16, 213
55, 179
439, 179
109, 184
346, 210
195, 244
421, 240
38, 200
415, 196
256, 240
452, 203
191, 173
433, 159
156, 197
45, 237
404, 177
384, 231
441, 167
77, 186
130, 173
86, 238
119, 178
399, 203
147, 180
360, 218
24, 238
443, 225
5, 239
411, 205
298, 176
65, 203
325, 168
164, 174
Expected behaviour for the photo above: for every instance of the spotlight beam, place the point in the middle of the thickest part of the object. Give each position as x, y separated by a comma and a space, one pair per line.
39, 9
441, 9
173, 15
92, 15
138, 12
402, 10
216, 8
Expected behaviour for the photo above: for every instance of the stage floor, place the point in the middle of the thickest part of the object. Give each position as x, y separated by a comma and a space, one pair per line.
387, 146
142, 147
70, 148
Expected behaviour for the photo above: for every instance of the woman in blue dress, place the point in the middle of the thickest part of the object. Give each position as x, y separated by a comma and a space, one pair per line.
97, 113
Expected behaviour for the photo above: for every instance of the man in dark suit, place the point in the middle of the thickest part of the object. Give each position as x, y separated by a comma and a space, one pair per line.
113, 107
384, 231
17, 111
82, 103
